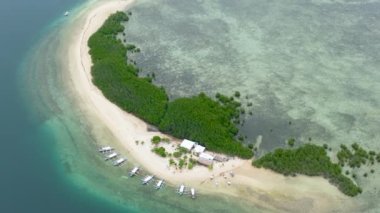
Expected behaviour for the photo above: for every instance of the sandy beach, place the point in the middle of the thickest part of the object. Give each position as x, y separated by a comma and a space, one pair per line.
263, 187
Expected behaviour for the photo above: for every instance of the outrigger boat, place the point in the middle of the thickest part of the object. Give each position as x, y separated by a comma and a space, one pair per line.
105, 149
134, 171
66, 13
181, 189
159, 184
192, 191
147, 179
111, 156
119, 161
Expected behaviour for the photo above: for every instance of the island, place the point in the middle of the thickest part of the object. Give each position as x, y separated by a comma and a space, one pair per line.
133, 115
198, 118
211, 122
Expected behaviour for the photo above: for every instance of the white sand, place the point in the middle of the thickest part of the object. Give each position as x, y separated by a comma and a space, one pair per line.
257, 185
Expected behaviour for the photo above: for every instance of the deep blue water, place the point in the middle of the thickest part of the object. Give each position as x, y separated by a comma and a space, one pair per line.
29, 179
47, 161
34, 176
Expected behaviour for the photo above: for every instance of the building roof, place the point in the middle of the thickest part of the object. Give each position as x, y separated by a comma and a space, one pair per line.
220, 158
206, 156
199, 149
187, 144
204, 161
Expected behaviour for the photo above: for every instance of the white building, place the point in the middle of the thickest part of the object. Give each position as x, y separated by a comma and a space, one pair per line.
205, 159
198, 149
206, 156
187, 144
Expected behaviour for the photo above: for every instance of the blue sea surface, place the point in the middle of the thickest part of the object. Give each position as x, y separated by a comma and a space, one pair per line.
297, 61
30, 180
49, 157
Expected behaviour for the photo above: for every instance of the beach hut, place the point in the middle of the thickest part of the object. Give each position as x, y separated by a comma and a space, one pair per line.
205, 159
198, 149
187, 144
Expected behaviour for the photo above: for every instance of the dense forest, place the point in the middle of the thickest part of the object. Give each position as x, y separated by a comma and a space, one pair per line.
309, 160
202, 119
118, 80
199, 118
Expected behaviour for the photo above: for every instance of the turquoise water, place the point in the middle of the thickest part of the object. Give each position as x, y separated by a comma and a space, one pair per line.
265, 49
30, 180
74, 176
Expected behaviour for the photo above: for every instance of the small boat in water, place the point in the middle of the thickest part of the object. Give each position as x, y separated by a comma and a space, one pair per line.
66, 13
192, 191
134, 171
147, 179
111, 156
181, 189
159, 184
105, 149
119, 161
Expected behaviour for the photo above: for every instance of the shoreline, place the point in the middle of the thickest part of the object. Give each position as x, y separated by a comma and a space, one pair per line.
263, 187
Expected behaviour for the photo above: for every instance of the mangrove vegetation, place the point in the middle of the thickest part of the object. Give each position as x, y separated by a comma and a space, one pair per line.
356, 156
311, 160
211, 122
207, 121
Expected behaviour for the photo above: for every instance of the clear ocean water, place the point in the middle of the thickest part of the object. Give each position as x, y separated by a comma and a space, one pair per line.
31, 180
310, 69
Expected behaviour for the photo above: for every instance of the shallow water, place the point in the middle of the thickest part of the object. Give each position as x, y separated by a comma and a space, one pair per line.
30, 180
310, 68
311, 63
296, 62
75, 136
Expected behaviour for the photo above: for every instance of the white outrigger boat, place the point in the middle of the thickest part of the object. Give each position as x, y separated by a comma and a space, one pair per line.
66, 13
147, 179
105, 149
134, 171
119, 161
159, 184
181, 189
192, 192
111, 156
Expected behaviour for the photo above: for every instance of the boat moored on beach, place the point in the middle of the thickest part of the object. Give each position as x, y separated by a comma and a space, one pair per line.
181, 190
119, 161
147, 179
192, 192
105, 149
111, 156
66, 13
134, 171
159, 184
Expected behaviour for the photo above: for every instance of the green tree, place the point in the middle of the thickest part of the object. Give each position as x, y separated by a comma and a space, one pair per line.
160, 151
156, 140
291, 142
309, 160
